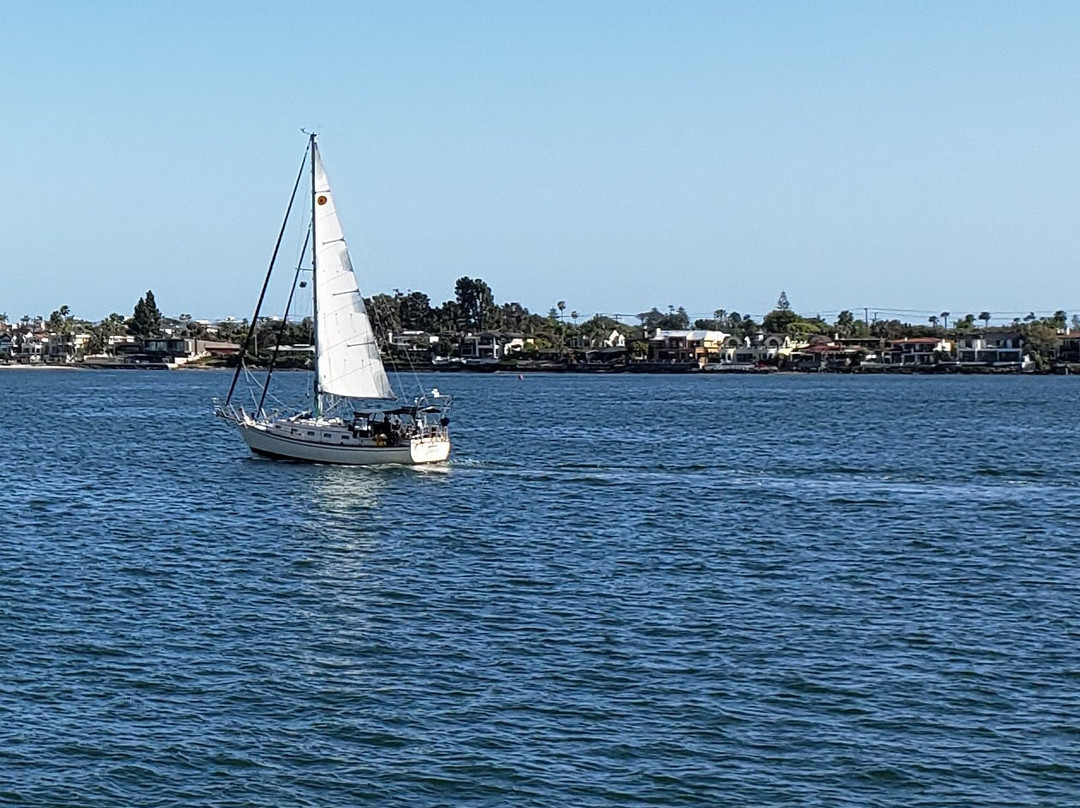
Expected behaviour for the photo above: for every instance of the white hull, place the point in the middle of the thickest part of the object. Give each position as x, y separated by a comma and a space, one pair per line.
332, 444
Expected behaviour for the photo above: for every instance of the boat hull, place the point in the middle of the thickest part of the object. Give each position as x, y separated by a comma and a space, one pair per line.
264, 439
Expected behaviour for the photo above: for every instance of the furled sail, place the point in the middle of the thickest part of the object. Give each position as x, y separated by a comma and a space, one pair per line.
349, 363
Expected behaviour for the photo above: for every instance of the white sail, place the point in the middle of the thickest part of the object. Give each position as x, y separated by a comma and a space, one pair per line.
348, 358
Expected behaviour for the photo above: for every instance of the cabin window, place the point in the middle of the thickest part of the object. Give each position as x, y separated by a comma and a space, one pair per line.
327, 435
311, 433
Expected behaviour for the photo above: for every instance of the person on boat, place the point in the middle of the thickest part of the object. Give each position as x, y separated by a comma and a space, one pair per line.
395, 430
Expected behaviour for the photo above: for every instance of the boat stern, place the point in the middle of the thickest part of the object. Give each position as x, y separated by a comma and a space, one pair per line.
435, 449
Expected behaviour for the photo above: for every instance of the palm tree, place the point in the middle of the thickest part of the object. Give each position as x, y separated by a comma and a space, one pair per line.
945, 316
561, 306
933, 321
985, 317
718, 318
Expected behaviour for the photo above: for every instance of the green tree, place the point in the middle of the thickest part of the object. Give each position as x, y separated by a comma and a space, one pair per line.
779, 321
673, 320
890, 329
61, 321
146, 319
415, 312
965, 323
845, 323
1040, 339
746, 325
476, 302
385, 315
111, 326
598, 327
782, 303
449, 317
985, 317
517, 318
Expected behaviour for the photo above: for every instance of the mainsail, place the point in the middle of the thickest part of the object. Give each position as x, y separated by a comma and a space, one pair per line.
349, 363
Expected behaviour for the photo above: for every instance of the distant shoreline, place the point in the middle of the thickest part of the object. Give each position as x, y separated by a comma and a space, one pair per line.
565, 371
14, 366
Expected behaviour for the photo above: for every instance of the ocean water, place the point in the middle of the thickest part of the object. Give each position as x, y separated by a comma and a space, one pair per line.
624, 590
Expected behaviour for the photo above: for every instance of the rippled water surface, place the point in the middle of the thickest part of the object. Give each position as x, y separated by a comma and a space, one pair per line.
627, 590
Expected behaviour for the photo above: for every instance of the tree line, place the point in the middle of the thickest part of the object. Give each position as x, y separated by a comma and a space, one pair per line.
474, 309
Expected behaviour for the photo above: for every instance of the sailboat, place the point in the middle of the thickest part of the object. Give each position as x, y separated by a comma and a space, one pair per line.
349, 420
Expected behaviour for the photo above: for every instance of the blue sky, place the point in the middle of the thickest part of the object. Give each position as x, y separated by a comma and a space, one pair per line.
902, 156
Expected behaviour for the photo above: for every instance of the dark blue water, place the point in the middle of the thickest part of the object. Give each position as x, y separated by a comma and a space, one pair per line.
820, 591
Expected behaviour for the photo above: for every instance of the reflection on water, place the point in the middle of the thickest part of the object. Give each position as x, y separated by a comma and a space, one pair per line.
338, 490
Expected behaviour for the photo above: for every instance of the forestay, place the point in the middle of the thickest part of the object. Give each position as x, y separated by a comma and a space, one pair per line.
348, 358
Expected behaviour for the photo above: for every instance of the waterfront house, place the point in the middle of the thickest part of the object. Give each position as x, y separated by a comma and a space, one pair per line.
204, 347
873, 345
729, 350
1001, 348
1067, 349
491, 346
824, 354
418, 346
180, 350
916, 351
5, 347
615, 355
118, 343
62, 349
679, 346
31, 347
616, 339
169, 348
770, 349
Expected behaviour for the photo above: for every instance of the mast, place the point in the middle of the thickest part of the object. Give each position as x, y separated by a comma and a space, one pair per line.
314, 284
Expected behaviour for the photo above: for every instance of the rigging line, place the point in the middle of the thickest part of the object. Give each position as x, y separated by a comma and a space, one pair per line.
266, 281
412, 365
281, 328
